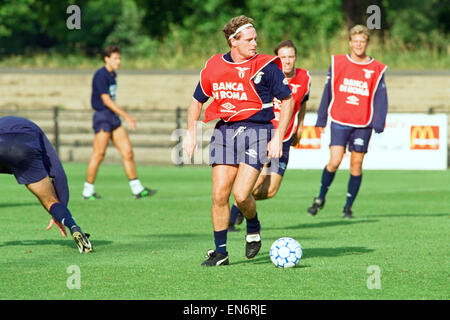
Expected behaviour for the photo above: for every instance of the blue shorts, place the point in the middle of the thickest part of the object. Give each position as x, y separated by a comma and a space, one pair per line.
280, 166
240, 142
356, 138
105, 120
23, 154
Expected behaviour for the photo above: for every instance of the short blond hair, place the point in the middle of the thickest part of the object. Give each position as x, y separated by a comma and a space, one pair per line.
359, 29
233, 25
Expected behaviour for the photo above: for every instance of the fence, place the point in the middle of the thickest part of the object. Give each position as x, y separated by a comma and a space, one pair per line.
71, 133
155, 140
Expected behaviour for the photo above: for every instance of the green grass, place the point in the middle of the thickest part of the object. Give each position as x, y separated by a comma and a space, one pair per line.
152, 248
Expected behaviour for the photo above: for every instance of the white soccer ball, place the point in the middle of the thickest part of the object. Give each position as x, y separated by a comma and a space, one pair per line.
285, 252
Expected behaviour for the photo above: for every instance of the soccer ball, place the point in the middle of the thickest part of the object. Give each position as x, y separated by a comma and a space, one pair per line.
285, 252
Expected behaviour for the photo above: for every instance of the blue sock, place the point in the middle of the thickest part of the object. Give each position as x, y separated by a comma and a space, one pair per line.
234, 213
61, 214
327, 179
253, 225
220, 239
353, 187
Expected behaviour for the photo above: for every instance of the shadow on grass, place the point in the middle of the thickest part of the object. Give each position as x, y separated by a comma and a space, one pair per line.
324, 224
20, 204
264, 257
408, 215
63, 242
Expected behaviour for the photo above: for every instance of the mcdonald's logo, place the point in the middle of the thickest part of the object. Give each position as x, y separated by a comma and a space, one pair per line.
310, 138
424, 137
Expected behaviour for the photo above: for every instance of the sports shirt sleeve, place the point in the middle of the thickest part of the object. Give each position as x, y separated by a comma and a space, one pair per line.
199, 95
380, 107
322, 113
277, 82
100, 83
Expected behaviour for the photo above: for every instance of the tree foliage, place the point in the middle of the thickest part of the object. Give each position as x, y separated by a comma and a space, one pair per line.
143, 26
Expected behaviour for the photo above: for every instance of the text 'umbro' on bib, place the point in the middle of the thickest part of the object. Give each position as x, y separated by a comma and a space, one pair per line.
353, 86
232, 88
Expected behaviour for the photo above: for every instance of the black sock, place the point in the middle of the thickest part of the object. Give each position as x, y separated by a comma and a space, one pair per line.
253, 225
62, 214
234, 213
327, 179
220, 239
353, 187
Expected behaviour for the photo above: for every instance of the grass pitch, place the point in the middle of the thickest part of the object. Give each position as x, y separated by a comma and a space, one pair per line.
152, 248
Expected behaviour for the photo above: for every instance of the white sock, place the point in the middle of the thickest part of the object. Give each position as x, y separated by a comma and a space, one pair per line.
253, 237
136, 186
88, 189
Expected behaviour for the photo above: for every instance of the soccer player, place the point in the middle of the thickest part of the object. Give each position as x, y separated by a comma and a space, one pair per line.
355, 98
242, 84
270, 178
26, 153
107, 126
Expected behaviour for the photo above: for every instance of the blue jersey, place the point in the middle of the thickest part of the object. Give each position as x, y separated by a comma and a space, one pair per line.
380, 105
14, 126
103, 82
270, 86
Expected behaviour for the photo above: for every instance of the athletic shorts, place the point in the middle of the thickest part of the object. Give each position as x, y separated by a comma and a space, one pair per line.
23, 153
279, 166
357, 139
105, 120
240, 142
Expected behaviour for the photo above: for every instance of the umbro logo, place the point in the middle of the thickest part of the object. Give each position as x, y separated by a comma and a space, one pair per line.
242, 71
352, 100
358, 142
228, 106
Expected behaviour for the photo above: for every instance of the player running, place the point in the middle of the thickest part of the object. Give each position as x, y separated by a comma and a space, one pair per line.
355, 98
242, 84
107, 126
270, 178
26, 152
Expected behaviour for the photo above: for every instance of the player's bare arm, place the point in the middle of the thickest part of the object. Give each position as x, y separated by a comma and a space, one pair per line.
301, 118
108, 101
275, 145
190, 139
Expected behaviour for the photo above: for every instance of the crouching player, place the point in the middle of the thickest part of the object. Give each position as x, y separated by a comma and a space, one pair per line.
269, 180
26, 153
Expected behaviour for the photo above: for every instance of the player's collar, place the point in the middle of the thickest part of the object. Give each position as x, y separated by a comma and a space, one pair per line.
351, 60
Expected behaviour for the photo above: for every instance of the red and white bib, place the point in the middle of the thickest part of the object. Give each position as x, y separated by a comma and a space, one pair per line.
231, 86
300, 85
353, 85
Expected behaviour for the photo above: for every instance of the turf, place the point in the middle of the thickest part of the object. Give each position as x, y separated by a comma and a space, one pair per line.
152, 248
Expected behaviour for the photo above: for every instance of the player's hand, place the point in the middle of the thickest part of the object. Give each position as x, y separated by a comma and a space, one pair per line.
190, 144
296, 138
378, 130
60, 226
275, 146
131, 123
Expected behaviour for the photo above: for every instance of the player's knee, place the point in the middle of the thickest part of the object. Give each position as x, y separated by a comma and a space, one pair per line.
333, 165
98, 156
272, 192
219, 197
128, 155
241, 198
356, 168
